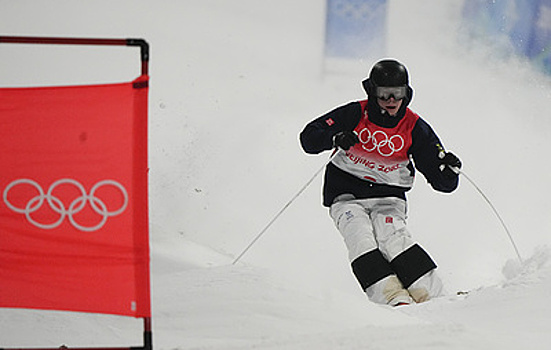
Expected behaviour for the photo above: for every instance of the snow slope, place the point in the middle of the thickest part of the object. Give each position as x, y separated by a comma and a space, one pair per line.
233, 83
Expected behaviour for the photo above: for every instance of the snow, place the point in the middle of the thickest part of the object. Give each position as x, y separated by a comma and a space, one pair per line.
233, 83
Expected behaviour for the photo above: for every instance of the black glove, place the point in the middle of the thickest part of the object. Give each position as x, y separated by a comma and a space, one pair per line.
449, 162
345, 140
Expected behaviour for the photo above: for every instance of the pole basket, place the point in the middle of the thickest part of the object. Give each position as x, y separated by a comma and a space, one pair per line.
74, 195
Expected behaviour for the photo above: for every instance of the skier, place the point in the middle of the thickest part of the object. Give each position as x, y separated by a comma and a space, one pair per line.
379, 144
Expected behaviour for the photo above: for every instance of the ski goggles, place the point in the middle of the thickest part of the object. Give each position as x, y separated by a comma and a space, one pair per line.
386, 92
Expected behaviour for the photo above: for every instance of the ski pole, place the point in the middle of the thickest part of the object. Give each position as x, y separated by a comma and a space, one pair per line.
285, 207
461, 172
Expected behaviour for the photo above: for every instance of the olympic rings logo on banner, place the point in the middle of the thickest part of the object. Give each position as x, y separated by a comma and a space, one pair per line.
379, 140
77, 205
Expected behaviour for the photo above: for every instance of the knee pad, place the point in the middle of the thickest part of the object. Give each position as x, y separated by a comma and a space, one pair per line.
370, 268
411, 264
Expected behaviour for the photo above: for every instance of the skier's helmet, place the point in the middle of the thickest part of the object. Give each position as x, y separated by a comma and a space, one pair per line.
387, 73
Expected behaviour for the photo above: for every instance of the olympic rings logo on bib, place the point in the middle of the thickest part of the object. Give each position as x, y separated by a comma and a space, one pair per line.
68, 210
379, 140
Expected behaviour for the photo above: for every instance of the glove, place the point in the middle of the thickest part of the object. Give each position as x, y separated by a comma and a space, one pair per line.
449, 162
345, 140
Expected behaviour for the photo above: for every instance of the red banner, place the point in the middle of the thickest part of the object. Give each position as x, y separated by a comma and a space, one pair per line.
73, 212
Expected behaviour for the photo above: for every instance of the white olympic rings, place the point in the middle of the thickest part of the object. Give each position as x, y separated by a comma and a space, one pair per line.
97, 205
379, 140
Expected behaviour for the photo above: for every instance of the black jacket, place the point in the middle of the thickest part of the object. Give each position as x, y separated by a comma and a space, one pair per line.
318, 135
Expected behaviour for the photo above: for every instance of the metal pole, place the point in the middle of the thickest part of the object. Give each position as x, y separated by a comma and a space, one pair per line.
144, 46
147, 334
461, 172
144, 54
284, 208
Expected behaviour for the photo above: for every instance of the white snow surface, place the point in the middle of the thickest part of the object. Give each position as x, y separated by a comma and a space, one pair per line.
232, 85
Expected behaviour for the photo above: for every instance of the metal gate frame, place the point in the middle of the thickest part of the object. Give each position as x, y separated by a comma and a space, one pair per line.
144, 54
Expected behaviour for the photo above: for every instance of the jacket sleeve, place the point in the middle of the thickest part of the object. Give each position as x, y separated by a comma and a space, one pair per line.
317, 136
425, 150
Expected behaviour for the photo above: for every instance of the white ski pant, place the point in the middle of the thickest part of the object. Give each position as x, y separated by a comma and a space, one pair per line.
387, 262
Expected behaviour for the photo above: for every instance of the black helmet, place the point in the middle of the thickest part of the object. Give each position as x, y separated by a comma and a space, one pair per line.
387, 73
